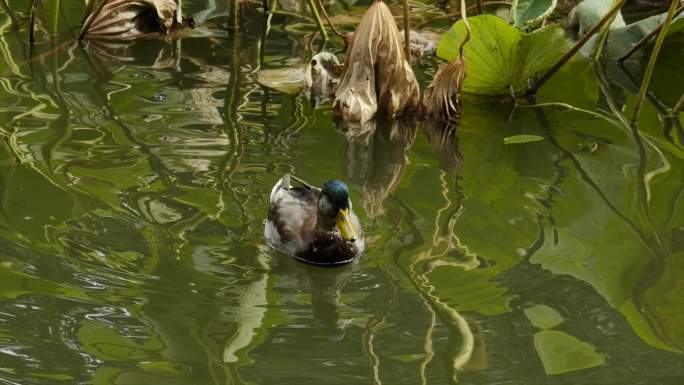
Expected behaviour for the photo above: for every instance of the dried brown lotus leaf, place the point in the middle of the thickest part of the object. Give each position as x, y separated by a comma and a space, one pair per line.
129, 19
377, 77
441, 98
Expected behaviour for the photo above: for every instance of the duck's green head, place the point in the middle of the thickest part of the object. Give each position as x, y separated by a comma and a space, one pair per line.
335, 204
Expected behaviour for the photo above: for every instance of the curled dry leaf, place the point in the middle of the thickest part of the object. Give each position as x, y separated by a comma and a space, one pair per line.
129, 19
441, 98
376, 75
322, 77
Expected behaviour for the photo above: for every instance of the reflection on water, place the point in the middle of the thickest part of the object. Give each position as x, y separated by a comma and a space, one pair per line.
133, 186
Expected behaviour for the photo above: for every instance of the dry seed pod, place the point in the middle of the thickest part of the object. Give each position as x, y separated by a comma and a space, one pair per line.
441, 98
377, 76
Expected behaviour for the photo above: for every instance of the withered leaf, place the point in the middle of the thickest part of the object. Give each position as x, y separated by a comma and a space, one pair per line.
441, 98
322, 77
130, 19
377, 77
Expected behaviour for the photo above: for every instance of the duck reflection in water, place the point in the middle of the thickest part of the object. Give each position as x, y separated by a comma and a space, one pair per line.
375, 158
325, 285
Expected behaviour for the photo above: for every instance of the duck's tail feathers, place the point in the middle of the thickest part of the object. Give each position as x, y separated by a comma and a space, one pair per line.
282, 185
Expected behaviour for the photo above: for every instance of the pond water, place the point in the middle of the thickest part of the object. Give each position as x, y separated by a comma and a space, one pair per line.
133, 191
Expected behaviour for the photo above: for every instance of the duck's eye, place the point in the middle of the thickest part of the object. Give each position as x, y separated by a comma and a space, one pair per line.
313, 62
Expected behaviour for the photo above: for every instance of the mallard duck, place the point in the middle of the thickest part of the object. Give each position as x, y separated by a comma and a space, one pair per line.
314, 225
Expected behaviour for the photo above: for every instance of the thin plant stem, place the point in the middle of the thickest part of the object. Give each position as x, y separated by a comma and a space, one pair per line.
291, 14
478, 4
265, 5
317, 17
652, 61
464, 15
233, 15
407, 32
679, 106
575, 48
598, 49
330, 23
645, 39
55, 18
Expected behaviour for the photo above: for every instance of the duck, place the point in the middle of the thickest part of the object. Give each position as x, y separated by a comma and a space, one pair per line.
314, 225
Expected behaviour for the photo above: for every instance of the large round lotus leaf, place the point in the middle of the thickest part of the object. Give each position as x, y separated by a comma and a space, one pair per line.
500, 56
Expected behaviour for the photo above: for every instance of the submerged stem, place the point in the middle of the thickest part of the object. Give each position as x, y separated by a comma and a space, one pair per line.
652, 61
608, 16
32, 21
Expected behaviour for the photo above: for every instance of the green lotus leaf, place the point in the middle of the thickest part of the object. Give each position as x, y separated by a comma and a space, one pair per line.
500, 57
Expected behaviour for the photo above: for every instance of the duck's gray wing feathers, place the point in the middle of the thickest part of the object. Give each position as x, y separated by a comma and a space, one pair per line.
292, 216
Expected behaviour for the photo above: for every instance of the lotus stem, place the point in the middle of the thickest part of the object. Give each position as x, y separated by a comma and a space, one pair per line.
407, 32
330, 23
652, 61
8, 11
55, 18
233, 15
608, 16
478, 4
645, 39
317, 17
464, 16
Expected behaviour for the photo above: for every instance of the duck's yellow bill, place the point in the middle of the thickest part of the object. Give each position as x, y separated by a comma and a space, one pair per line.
345, 225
